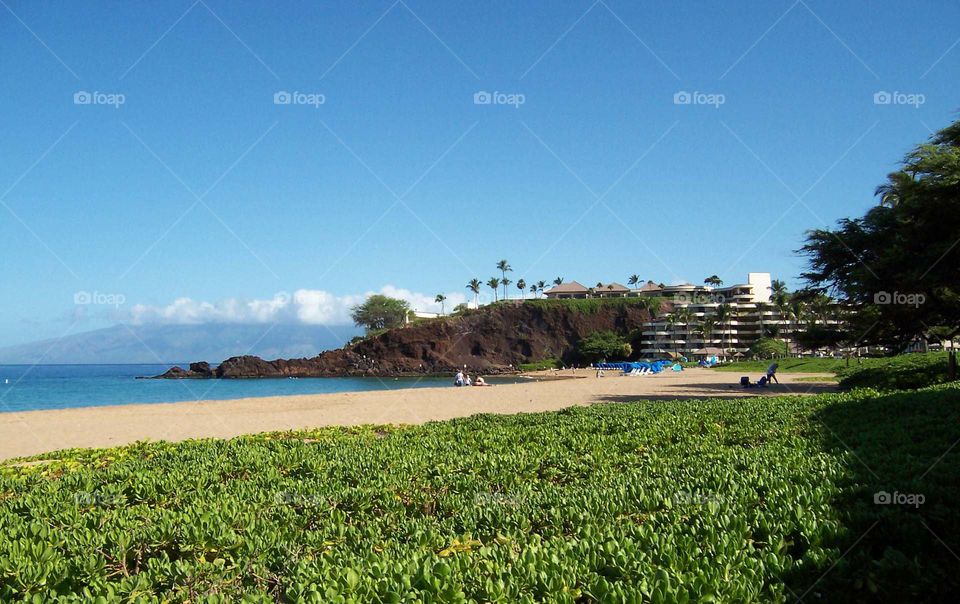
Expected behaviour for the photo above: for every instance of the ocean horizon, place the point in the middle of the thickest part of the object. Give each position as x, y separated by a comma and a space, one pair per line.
65, 386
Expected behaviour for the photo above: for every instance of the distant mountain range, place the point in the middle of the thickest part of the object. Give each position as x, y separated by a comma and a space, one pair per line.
176, 343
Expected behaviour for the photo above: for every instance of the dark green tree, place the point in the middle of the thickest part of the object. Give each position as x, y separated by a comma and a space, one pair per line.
380, 312
604, 345
899, 264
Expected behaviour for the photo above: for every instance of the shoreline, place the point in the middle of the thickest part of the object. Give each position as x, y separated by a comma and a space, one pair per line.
27, 433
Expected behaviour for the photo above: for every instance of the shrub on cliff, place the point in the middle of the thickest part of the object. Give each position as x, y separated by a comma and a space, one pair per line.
380, 312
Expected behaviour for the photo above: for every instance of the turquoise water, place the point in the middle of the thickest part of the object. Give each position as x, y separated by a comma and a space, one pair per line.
25, 387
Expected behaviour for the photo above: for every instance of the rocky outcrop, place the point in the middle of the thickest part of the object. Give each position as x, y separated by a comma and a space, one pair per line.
494, 339
200, 370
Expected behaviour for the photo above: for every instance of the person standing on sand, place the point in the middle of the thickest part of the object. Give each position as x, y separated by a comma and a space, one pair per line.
772, 373
458, 381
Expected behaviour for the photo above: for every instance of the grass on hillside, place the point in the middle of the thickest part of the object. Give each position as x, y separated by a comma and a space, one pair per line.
761, 499
592, 305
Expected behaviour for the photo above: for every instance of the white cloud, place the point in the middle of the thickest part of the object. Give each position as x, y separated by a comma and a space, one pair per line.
306, 306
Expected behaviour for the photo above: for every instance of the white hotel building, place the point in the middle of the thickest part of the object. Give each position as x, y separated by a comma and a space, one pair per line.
749, 303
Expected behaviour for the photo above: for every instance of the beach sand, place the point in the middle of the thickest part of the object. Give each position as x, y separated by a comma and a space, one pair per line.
32, 432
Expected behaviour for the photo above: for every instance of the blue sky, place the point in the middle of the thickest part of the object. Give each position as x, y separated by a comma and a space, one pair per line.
199, 188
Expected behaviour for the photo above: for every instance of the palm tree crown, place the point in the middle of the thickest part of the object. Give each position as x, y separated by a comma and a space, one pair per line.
493, 283
474, 286
504, 267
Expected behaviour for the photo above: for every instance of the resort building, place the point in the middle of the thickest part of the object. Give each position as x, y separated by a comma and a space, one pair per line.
750, 315
568, 290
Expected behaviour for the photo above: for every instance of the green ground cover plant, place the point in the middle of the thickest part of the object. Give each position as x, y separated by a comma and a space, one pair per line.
761, 499
897, 373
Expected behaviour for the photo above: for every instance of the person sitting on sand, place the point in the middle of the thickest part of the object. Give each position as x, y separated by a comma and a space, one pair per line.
480, 382
458, 381
772, 373
467, 381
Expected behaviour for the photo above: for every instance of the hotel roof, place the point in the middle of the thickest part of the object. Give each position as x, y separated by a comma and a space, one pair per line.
568, 288
611, 287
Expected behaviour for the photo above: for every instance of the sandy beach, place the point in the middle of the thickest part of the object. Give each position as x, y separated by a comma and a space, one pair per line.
32, 432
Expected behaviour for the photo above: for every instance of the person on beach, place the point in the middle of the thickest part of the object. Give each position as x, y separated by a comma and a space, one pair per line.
772, 373
458, 381
467, 382
480, 382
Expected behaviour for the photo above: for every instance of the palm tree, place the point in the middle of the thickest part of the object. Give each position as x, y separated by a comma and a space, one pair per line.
892, 191
493, 284
780, 297
713, 280
820, 306
685, 317
558, 281
474, 286
798, 308
761, 309
534, 290
634, 279
504, 267
440, 299
724, 314
672, 320
706, 330
522, 286
541, 286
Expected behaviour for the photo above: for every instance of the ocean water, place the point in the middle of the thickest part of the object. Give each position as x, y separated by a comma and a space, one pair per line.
26, 387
